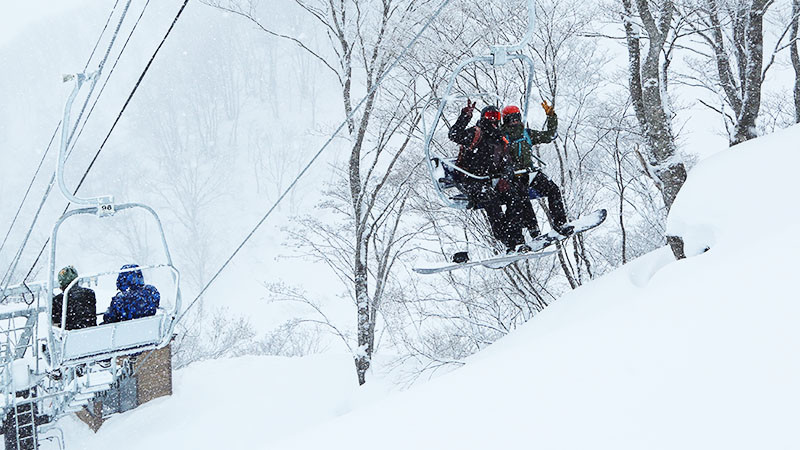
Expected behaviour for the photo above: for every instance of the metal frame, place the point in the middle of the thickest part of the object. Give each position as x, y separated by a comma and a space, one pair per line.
103, 200
57, 359
499, 56
167, 318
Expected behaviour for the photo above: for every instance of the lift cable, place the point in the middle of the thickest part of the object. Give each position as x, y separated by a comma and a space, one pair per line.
105, 83
130, 96
47, 150
6, 280
380, 80
97, 44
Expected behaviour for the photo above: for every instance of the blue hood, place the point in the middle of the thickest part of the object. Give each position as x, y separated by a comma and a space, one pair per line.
127, 280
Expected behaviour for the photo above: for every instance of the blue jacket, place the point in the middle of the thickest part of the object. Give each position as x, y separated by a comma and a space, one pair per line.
134, 299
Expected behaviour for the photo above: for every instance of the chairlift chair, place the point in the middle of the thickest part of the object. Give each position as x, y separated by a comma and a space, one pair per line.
101, 342
443, 170
69, 348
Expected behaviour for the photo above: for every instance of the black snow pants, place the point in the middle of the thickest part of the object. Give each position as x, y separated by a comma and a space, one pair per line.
506, 225
543, 187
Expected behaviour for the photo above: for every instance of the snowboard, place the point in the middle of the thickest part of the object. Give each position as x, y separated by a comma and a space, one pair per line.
579, 225
497, 262
538, 244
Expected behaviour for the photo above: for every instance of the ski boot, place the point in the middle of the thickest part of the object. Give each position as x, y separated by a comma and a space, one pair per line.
460, 257
564, 229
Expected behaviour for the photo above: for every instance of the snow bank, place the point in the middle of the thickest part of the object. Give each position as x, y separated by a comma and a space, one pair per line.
742, 196
658, 354
234, 403
694, 354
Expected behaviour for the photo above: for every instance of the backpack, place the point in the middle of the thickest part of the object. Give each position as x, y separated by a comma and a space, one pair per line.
462, 150
521, 149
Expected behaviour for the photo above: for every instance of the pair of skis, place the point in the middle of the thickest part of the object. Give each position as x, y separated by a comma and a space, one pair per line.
538, 244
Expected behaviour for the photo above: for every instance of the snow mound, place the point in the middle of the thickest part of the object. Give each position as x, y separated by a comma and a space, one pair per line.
741, 196
237, 403
659, 354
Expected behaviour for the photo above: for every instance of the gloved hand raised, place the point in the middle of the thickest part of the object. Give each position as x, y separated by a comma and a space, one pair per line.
548, 109
467, 110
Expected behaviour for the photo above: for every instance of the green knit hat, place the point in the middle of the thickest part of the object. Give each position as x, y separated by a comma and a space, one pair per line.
66, 275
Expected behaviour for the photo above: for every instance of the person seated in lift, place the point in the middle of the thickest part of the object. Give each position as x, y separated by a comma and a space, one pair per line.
485, 153
81, 302
521, 141
134, 299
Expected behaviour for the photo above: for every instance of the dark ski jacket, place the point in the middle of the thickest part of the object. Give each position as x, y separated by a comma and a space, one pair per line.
521, 140
134, 299
488, 156
81, 308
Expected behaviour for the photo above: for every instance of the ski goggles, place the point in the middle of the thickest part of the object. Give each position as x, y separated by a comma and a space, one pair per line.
492, 115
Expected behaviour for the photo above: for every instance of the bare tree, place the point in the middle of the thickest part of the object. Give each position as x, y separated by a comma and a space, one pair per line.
648, 88
363, 39
734, 32
795, 57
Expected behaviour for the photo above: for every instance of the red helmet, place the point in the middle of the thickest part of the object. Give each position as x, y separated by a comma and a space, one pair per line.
511, 110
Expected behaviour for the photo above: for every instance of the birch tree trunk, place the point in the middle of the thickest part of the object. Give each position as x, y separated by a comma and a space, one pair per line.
649, 99
648, 94
795, 57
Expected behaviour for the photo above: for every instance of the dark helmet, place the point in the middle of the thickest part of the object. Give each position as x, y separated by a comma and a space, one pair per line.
491, 113
512, 114
66, 276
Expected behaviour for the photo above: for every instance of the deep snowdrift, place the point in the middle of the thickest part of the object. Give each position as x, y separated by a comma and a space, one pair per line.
699, 353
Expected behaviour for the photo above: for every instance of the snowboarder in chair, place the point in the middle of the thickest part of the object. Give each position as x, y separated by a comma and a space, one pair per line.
134, 299
484, 152
521, 141
81, 302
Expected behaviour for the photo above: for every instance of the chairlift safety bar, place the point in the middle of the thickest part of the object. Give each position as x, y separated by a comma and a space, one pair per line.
52, 269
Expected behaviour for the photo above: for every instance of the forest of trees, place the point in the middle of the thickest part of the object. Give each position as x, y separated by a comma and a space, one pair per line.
620, 73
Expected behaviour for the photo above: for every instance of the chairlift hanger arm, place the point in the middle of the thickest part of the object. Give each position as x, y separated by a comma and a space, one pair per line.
65, 141
500, 50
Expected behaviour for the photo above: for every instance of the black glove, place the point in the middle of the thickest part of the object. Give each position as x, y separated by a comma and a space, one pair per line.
467, 110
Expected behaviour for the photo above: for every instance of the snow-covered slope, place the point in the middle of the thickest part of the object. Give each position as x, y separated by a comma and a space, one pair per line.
239, 403
700, 353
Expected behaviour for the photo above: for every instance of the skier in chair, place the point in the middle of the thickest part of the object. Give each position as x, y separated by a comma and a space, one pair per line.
81, 302
521, 141
485, 153
135, 299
